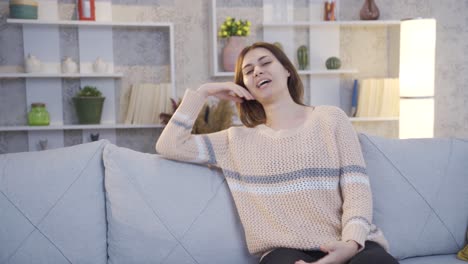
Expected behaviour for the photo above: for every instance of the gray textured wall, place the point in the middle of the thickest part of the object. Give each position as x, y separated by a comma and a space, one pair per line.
373, 50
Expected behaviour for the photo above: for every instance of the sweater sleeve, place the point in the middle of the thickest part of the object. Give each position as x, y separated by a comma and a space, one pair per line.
177, 142
354, 183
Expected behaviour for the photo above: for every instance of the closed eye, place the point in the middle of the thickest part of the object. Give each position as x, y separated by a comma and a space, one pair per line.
248, 72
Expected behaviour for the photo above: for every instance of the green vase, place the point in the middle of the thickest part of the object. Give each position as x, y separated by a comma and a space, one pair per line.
38, 115
333, 63
303, 57
89, 109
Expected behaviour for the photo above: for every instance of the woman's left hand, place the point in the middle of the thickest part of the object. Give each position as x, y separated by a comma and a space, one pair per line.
339, 252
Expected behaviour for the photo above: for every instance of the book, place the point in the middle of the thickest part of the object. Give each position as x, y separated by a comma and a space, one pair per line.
378, 98
354, 99
146, 102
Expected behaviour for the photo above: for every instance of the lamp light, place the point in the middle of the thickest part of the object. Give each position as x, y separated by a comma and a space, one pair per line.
417, 63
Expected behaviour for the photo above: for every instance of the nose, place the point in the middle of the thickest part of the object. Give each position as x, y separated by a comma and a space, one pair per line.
257, 71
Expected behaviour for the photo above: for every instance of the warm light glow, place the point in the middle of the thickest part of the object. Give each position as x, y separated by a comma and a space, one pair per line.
416, 118
417, 57
417, 63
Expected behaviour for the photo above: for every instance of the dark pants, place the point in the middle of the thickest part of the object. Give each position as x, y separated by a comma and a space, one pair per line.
373, 253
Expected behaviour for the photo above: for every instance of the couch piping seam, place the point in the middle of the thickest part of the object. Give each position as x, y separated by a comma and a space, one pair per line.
131, 180
194, 220
422, 197
47, 213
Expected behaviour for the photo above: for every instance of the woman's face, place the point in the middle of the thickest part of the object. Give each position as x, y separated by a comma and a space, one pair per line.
264, 76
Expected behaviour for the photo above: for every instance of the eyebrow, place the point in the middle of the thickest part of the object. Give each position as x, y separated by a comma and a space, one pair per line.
259, 59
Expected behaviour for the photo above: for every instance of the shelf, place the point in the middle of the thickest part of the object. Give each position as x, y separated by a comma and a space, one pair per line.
306, 72
373, 119
126, 126
88, 23
78, 127
334, 23
59, 75
352, 119
327, 72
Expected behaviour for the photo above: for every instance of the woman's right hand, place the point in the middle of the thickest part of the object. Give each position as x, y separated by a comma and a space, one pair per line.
225, 91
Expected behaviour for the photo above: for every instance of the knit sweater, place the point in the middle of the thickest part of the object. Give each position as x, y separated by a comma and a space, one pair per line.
295, 188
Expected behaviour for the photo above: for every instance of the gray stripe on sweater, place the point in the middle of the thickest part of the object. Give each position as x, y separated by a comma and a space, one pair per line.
181, 124
209, 146
353, 169
295, 175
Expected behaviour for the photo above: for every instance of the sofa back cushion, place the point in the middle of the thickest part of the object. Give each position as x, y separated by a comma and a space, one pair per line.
420, 193
52, 206
162, 211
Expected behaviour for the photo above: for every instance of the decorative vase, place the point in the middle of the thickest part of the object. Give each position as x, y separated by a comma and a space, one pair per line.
38, 115
89, 109
94, 137
99, 66
69, 66
231, 51
33, 64
329, 12
23, 9
369, 11
333, 63
43, 144
279, 45
302, 57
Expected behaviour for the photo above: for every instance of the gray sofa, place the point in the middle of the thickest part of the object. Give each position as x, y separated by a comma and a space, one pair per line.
99, 203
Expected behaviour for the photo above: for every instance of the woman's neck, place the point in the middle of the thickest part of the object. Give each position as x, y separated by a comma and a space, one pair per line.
285, 114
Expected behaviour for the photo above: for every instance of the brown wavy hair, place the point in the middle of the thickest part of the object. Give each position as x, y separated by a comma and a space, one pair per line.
251, 112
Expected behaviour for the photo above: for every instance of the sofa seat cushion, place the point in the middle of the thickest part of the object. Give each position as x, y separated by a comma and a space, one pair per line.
419, 191
162, 211
52, 206
440, 259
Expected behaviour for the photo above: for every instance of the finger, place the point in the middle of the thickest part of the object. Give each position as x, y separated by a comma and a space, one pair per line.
324, 248
234, 94
240, 92
234, 98
243, 90
301, 262
325, 260
246, 93
328, 247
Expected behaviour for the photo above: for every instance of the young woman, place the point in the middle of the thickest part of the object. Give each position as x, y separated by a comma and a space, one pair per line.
296, 173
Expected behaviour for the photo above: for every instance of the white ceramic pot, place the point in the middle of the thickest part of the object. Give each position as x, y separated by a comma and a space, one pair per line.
69, 66
99, 66
33, 64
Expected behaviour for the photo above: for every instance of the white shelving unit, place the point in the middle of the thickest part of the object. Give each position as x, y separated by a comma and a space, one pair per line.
325, 35
41, 38
217, 72
88, 23
76, 127
307, 72
366, 23
373, 119
58, 75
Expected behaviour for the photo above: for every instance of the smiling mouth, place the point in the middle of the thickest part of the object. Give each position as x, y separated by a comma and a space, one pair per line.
263, 83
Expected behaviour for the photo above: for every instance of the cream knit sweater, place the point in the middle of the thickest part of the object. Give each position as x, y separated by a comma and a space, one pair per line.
295, 188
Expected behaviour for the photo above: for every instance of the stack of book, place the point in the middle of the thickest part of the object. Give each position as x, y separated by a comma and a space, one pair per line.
147, 101
378, 98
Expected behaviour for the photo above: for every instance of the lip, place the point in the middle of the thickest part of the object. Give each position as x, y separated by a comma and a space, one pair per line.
260, 81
